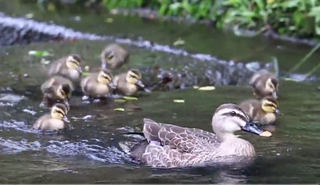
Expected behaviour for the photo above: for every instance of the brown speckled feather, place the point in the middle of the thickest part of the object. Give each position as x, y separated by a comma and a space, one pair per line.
177, 145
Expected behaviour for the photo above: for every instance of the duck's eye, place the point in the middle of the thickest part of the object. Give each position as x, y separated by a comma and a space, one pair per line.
110, 57
233, 113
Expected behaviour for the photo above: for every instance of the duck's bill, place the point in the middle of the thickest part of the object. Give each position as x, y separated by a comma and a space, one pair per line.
140, 84
278, 112
250, 127
65, 119
274, 94
103, 65
111, 84
79, 69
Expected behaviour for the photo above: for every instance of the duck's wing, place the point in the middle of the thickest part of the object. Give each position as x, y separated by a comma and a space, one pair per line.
184, 140
56, 66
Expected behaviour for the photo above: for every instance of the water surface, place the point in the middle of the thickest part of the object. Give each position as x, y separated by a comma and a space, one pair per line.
90, 152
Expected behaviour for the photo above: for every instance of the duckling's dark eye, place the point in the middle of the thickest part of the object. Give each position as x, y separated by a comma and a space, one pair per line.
63, 93
132, 76
233, 113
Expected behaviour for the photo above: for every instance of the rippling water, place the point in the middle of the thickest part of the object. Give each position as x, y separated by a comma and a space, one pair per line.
91, 150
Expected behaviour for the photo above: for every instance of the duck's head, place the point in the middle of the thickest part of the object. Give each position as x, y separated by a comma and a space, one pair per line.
113, 56
64, 91
59, 111
272, 86
134, 77
229, 118
73, 62
270, 105
105, 77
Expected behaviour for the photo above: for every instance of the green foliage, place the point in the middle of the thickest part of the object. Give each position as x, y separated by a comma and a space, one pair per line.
299, 18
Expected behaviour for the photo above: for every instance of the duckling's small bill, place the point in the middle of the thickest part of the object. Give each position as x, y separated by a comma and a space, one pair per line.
65, 118
140, 84
111, 84
278, 112
274, 94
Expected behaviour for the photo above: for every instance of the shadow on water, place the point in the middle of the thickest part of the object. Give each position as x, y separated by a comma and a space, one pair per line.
90, 152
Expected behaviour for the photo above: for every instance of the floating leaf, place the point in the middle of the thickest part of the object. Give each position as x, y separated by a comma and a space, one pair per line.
85, 73
178, 101
44, 61
178, 42
109, 20
207, 88
29, 15
129, 98
120, 100
39, 53
119, 109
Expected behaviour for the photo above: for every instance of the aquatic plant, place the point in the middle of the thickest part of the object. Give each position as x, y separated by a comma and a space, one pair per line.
299, 18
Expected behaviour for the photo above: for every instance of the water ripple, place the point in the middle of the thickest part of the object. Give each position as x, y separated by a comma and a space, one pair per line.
107, 154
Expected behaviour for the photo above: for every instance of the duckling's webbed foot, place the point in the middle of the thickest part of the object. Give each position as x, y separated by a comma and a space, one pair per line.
88, 98
116, 96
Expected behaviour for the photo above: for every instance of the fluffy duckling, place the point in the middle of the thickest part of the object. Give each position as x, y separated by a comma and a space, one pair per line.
263, 111
98, 85
55, 120
56, 89
68, 67
264, 84
114, 56
127, 83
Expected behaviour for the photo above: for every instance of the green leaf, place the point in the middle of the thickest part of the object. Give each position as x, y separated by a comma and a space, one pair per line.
39, 53
120, 100
207, 88
178, 101
119, 109
85, 73
290, 4
130, 98
315, 11
179, 42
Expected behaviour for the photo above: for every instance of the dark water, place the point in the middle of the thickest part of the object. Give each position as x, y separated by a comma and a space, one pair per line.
91, 151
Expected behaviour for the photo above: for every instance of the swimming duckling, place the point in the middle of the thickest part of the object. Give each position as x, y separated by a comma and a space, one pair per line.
127, 83
55, 120
171, 146
114, 56
56, 89
264, 111
68, 67
98, 85
264, 84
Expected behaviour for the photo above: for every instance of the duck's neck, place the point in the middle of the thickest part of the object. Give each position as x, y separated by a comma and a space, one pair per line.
222, 137
234, 145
